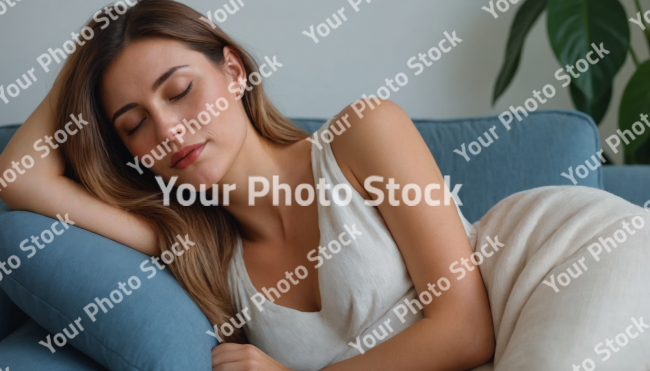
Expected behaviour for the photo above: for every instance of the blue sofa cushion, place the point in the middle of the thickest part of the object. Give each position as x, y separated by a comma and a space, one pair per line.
631, 182
533, 153
156, 327
21, 351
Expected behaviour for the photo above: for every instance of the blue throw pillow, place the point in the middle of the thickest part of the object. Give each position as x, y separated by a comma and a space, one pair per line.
150, 322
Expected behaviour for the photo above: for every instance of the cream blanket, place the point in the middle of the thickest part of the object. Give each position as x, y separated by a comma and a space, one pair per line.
560, 300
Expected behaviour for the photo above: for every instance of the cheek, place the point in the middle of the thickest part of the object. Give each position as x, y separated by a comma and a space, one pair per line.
147, 154
143, 143
229, 129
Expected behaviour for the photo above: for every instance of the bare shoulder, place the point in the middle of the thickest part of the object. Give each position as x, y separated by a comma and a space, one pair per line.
385, 120
375, 141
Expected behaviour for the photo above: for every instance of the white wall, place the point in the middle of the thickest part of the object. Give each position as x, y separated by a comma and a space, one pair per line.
318, 80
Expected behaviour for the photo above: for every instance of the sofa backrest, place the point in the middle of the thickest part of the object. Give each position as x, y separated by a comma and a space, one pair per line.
533, 153
6, 132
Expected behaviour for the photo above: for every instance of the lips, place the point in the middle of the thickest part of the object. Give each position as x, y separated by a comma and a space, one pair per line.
186, 156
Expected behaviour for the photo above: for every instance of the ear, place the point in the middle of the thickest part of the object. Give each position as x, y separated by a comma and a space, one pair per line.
234, 67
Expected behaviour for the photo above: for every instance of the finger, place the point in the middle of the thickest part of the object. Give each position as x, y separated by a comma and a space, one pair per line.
244, 353
227, 358
225, 347
235, 366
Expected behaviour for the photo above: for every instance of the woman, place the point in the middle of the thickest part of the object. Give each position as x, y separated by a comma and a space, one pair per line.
139, 83
135, 82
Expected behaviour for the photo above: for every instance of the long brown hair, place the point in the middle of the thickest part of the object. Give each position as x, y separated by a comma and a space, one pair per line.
96, 157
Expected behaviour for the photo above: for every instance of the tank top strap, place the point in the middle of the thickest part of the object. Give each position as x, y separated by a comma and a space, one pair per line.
323, 161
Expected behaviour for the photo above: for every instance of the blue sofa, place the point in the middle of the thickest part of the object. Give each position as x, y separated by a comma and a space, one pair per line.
158, 327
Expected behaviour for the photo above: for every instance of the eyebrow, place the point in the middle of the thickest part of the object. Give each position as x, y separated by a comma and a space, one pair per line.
156, 85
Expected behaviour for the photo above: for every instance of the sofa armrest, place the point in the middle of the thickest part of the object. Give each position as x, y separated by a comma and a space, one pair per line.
21, 351
148, 324
11, 317
630, 182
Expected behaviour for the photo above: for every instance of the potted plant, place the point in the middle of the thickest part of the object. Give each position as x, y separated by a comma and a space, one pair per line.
573, 26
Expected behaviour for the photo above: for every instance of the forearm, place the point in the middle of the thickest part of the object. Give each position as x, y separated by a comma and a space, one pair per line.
444, 342
63, 196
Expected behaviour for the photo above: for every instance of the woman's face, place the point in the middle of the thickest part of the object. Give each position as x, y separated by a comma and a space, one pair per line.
156, 85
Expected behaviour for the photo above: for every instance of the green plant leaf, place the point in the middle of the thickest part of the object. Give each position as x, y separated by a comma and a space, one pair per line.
642, 154
524, 20
594, 108
636, 101
573, 25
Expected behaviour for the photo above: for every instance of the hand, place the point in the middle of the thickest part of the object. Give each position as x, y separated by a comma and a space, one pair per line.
243, 357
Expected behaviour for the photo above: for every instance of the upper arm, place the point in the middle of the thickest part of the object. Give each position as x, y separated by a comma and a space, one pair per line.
44, 189
386, 143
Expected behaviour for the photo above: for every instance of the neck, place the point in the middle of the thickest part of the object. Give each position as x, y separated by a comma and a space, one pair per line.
264, 159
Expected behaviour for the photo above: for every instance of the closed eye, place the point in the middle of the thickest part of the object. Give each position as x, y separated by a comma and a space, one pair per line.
135, 128
181, 95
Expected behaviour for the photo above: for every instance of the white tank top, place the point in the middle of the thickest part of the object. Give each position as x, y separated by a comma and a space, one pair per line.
359, 285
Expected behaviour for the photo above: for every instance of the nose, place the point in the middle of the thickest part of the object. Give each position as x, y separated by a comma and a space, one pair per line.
169, 129
176, 132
